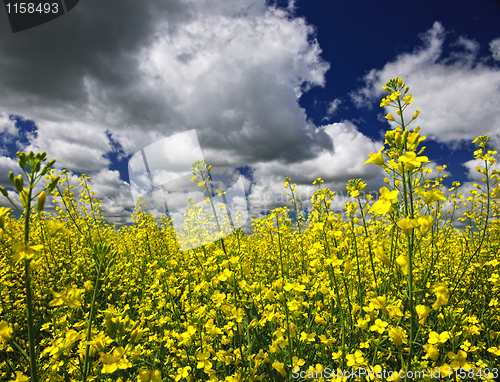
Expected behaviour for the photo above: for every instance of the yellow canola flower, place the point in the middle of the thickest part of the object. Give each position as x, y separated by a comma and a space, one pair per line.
189, 333
379, 254
348, 267
377, 158
298, 362
308, 337
88, 285
71, 297
390, 117
64, 344
433, 195
5, 331
100, 342
422, 312
182, 373
397, 335
414, 139
407, 225
380, 303
395, 311
295, 286
458, 360
385, 102
494, 350
115, 361
3, 212
442, 295
408, 99
403, 263
394, 96
149, 375
56, 227
203, 361
432, 351
425, 223
356, 358
20, 377
280, 367
436, 338
384, 204
411, 161
225, 275
24, 252
379, 326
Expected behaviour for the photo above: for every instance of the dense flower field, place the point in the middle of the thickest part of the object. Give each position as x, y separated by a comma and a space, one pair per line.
405, 284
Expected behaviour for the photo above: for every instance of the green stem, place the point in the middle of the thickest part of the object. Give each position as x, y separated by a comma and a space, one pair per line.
290, 342
29, 299
89, 328
361, 294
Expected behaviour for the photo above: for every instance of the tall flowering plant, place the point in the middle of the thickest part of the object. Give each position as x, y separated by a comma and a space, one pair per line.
405, 166
25, 251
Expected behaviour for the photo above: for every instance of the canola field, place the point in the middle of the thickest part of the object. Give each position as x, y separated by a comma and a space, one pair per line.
402, 287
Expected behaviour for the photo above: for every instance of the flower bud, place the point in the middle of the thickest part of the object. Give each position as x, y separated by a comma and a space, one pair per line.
44, 171
37, 166
415, 115
18, 183
22, 159
51, 163
23, 195
405, 136
414, 138
41, 201
400, 81
52, 184
3, 191
347, 268
387, 89
136, 335
11, 176
389, 136
397, 138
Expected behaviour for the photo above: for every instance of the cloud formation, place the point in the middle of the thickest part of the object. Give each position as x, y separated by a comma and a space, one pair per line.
95, 85
495, 48
458, 93
234, 71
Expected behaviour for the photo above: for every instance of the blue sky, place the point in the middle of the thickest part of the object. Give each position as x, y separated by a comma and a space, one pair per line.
275, 89
379, 33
